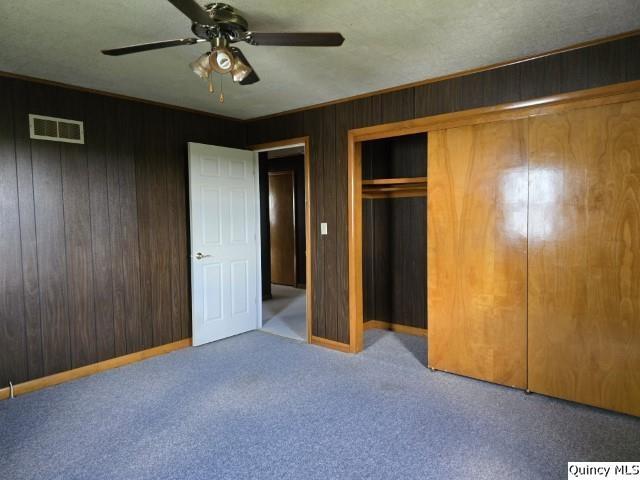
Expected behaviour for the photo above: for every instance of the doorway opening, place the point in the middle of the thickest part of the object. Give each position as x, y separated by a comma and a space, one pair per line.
285, 239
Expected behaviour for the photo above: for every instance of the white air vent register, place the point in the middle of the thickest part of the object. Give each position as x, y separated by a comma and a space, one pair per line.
56, 129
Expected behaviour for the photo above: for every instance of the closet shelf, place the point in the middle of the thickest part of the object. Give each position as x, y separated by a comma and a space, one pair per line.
394, 181
394, 187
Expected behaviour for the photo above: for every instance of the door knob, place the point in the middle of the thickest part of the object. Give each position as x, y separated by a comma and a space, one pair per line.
200, 256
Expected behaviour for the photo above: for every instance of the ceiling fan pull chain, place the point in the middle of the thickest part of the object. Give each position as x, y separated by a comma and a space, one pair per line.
221, 99
211, 89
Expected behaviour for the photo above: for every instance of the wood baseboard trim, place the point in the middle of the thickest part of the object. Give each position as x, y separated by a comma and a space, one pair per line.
396, 327
87, 370
324, 342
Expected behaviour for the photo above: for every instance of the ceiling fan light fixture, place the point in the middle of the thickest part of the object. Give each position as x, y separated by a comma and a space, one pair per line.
222, 26
221, 60
240, 70
201, 66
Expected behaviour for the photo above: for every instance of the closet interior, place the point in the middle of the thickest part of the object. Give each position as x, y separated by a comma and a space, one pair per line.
394, 233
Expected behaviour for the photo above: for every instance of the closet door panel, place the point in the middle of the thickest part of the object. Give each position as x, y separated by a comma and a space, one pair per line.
584, 256
477, 251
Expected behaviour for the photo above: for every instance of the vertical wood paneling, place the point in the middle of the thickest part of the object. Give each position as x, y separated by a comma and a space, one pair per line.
182, 204
13, 364
606, 64
584, 256
501, 85
31, 290
281, 127
145, 174
50, 234
158, 255
408, 270
329, 215
631, 58
83, 226
117, 257
103, 282
344, 121
397, 106
377, 261
77, 232
129, 139
477, 251
433, 99
175, 176
314, 124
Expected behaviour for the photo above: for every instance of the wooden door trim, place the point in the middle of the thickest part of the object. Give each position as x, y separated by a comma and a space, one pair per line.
291, 142
617, 93
295, 237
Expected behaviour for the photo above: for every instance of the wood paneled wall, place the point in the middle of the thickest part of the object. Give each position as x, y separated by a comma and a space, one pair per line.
394, 260
327, 127
93, 237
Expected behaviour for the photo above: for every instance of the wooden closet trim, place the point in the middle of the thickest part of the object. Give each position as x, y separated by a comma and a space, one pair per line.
617, 93
611, 94
307, 228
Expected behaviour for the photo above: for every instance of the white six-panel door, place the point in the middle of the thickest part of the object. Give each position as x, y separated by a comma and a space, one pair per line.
224, 241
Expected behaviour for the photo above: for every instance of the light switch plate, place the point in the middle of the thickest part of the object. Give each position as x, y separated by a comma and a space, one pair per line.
323, 228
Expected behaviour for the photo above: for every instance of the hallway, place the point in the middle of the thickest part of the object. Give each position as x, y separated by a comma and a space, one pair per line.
284, 314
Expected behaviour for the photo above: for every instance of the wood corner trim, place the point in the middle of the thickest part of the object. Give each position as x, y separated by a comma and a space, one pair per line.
87, 370
325, 342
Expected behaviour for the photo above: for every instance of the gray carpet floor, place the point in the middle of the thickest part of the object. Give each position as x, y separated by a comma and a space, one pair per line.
285, 313
260, 406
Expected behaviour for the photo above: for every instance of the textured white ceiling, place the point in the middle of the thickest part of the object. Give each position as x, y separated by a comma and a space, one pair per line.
388, 43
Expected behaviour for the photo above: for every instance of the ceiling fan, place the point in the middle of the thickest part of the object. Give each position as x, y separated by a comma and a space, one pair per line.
222, 26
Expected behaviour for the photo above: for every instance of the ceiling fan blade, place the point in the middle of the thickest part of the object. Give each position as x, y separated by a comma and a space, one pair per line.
253, 76
143, 47
309, 39
193, 10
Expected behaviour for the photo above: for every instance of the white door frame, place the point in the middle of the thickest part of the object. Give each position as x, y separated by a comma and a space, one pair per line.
280, 145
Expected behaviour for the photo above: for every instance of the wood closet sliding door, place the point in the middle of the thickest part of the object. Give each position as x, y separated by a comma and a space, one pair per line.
477, 251
584, 256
